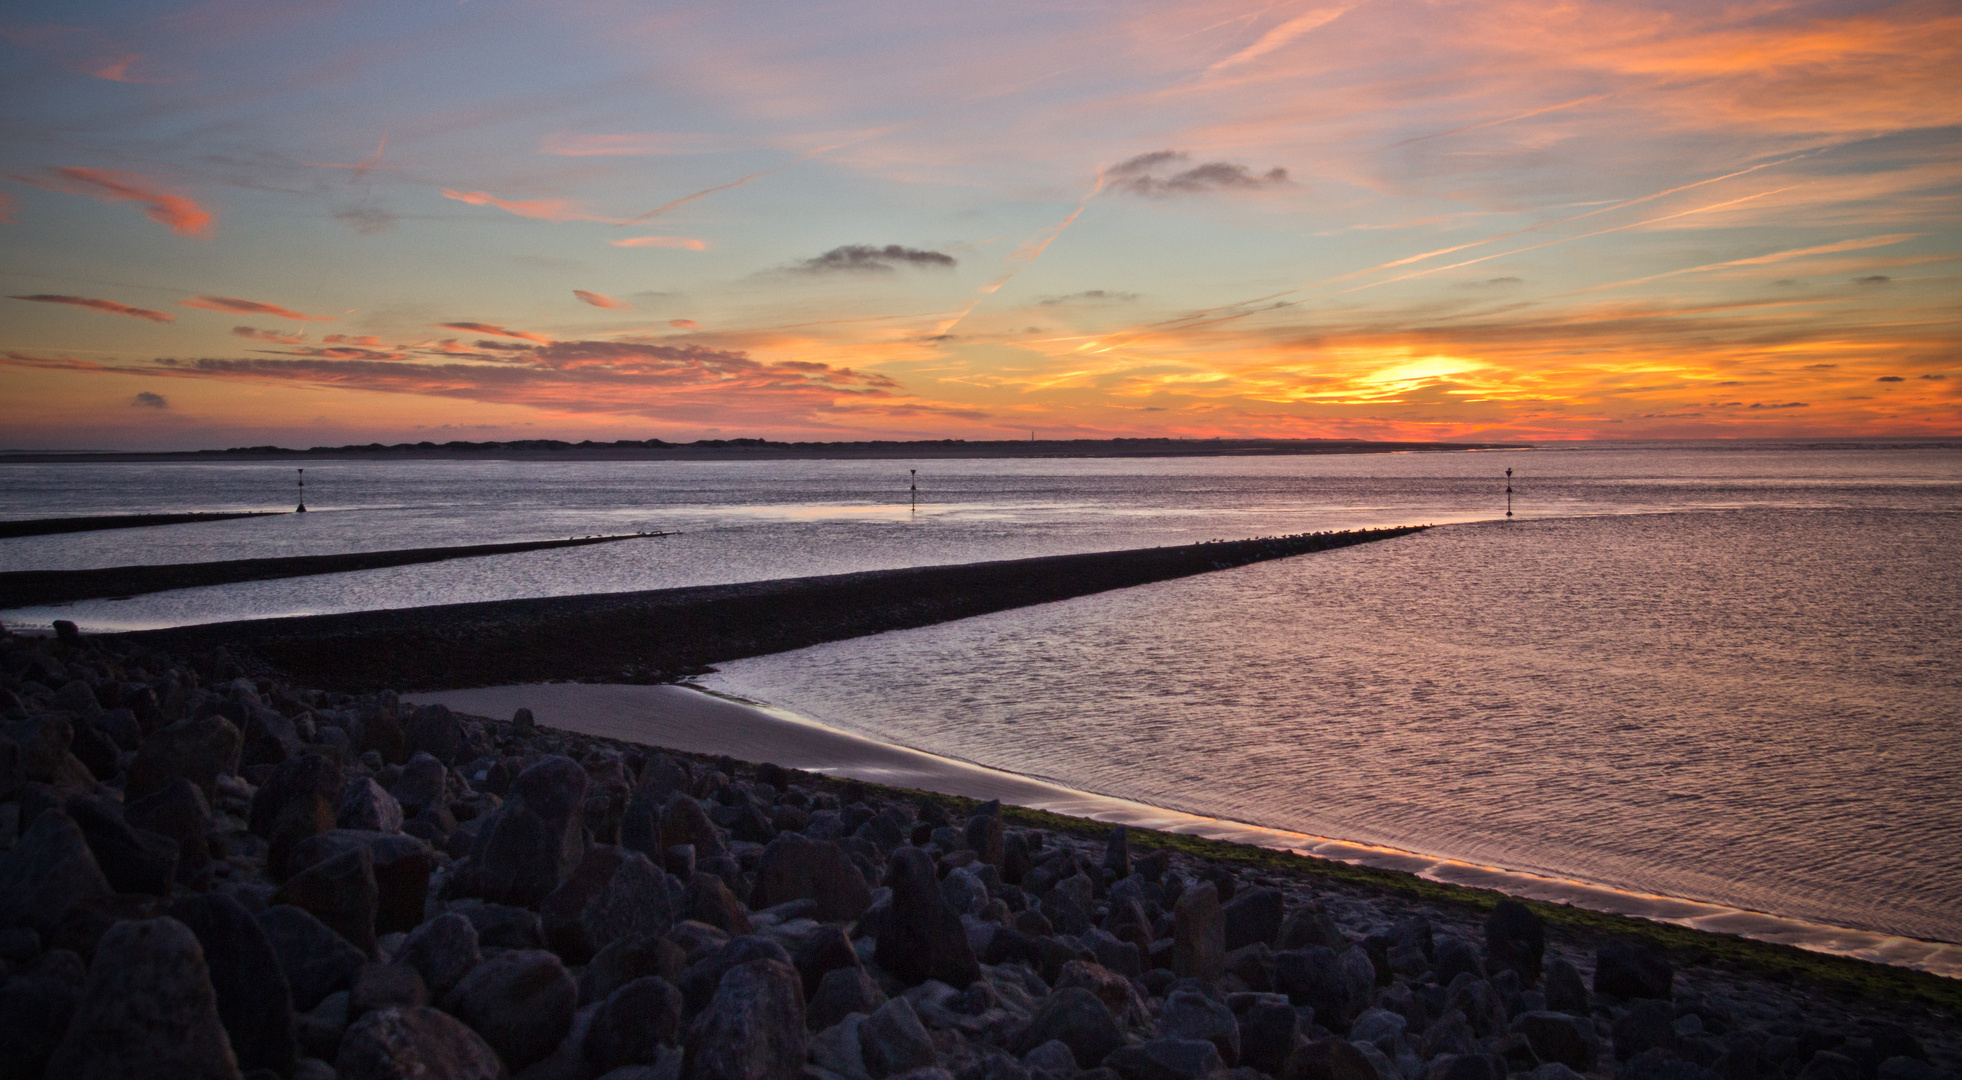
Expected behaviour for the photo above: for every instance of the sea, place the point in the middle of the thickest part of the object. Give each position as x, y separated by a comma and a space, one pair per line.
1724, 672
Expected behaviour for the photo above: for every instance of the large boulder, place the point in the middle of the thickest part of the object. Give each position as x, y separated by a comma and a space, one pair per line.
434, 730
922, 937
341, 892
254, 1000
520, 1001
707, 899
841, 992
49, 871
1269, 1031
133, 860
632, 1025
701, 979
415, 1044
1515, 940
149, 1010
1649, 1024
1191, 1015
1330, 1059
297, 801
443, 950
315, 960
1313, 977
366, 805
1166, 1059
180, 811
796, 868
1556, 1036
535, 840
1455, 956
1253, 916
200, 750
1565, 992
753, 1029
1199, 934
683, 821
1079, 1020
1624, 969
36, 1005
402, 866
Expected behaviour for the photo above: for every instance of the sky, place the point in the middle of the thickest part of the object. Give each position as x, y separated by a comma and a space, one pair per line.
317, 222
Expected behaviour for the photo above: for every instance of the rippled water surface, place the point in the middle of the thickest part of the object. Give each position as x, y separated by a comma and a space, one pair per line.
1724, 672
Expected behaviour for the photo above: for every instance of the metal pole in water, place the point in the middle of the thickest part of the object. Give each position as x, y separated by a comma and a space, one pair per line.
303, 493
915, 489
1508, 492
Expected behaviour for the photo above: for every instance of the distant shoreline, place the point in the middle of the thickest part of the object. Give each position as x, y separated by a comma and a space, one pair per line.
765, 450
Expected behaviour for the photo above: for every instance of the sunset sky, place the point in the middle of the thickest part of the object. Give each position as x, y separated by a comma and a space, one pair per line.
314, 223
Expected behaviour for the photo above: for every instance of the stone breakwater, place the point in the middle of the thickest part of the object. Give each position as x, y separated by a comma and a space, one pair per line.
209, 875
663, 634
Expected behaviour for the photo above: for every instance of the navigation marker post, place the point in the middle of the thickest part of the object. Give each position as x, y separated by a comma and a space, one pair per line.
302, 508
1508, 492
915, 489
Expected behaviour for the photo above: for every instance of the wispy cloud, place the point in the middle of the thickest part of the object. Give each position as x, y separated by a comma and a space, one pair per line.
236, 306
1283, 34
601, 300
866, 259
635, 144
93, 304
1162, 173
144, 399
683, 242
492, 328
255, 334
556, 210
182, 214
1089, 296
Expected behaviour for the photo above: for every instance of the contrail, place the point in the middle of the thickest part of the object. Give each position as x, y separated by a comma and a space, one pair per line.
1495, 123
665, 207
1760, 260
1027, 254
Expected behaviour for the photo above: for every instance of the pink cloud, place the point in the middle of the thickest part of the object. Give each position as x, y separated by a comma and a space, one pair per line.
601, 300
9, 209
538, 209
250, 307
93, 304
661, 241
267, 335
684, 324
184, 216
346, 339
492, 328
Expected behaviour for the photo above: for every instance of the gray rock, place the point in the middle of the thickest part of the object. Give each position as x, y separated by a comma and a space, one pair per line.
1660, 1064
415, 1044
1553, 1070
1199, 934
149, 1010
1313, 977
296, 802
627, 959
1515, 940
403, 866
635, 902
536, 839
1627, 970
1557, 1037
133, 860
1450, 1034
922, 937
1466, 1067
36, 1006
1648, 1024
1166, 1059
316, 960
836, 1050
893, 1041
1269, 1029
385, 986
1054, 1056
254, 1001
561, 913
841, 992
1455, 956
633, 1024
423, 782
683, 821
364, 805
753, 1028
1114, 990
198, 750
1253, 915
340, 892
435, 730
983, 835
707, 899
520, 1001
1192, 1015
795, 868
47, 872
1077, 1018
1379, 1026
702, 978
1565, 992
177, 810
1309, 926
1330, 1059
442, 950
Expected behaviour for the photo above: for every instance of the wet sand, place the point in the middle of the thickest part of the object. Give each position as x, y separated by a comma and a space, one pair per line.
52, 526
25, 588
683, 718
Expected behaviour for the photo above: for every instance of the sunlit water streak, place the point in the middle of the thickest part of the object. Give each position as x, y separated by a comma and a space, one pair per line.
1724, 672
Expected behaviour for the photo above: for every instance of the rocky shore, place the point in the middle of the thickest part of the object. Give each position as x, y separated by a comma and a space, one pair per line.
207, 874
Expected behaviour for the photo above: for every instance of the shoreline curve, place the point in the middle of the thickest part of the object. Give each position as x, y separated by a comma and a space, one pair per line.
696, 720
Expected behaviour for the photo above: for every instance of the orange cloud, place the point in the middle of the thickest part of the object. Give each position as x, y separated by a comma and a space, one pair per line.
491, 328
344, 339
601, 300
684, 324
662, 242
93, 304
557, 210
250, 307
184, 216
267, 335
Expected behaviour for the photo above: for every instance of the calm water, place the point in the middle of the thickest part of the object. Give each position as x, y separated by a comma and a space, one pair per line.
1725, 672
